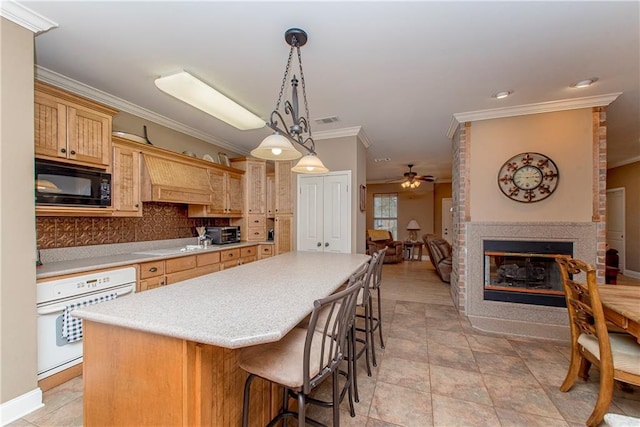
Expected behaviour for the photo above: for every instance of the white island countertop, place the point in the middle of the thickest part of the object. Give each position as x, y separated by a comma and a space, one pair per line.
250, 304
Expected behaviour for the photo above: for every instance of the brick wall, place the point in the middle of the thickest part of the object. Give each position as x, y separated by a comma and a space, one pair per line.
461, 199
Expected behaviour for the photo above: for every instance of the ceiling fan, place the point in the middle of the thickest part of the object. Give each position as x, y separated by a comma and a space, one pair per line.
411, 179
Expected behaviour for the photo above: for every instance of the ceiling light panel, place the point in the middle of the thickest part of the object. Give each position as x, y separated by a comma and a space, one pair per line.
189, 89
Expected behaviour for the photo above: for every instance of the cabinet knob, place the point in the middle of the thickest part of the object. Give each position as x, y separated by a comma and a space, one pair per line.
63, 150
162, 283
73, 152
153, 269
256, 233
136, 205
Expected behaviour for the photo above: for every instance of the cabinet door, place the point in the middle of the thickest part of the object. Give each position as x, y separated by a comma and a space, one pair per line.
271, 200
255, 186
125, 183
283, 231
284, 189
217, 179
152, 282
50, 126
88, 136
234, 192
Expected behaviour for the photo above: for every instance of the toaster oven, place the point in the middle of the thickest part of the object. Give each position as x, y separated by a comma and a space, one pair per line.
223, 235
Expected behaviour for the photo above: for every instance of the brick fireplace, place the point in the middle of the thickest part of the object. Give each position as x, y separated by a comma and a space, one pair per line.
493, 295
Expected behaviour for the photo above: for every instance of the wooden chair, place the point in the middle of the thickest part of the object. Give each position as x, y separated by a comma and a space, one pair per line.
616, 355
304, 358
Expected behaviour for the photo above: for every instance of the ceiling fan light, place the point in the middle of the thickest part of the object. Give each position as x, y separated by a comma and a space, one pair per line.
276, 147
310, 164
186, 88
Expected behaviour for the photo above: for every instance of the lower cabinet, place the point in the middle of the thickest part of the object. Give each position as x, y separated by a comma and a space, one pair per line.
265, 251
168, 271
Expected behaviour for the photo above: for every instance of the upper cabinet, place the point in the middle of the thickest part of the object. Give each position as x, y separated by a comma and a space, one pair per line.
226, 197
271, 190
125, 183
70, 128
283, 187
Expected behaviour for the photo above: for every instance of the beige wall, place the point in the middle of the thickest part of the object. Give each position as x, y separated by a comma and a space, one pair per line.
17, 214
415, 204
570, 147
628, 177
442, 191
163, 137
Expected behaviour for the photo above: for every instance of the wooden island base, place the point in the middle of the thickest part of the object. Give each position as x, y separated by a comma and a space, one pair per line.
143, 379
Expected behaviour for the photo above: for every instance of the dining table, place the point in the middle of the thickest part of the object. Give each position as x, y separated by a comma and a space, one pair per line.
621, 306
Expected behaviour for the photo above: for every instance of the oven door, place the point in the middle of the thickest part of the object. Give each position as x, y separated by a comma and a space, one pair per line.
55, 353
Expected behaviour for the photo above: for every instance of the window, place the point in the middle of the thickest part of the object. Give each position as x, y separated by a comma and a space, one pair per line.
385, 212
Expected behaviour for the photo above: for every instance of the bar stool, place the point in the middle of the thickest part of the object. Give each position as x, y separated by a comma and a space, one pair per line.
373, 323
305, 357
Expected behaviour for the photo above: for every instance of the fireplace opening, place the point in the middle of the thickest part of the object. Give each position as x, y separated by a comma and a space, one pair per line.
524, 272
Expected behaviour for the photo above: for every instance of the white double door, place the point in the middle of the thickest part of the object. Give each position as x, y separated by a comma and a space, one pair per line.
324, 212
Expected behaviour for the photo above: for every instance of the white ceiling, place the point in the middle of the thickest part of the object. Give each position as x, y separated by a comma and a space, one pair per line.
400, 70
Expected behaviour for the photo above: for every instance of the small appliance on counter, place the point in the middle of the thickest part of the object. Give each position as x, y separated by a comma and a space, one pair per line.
270, 235
224, 235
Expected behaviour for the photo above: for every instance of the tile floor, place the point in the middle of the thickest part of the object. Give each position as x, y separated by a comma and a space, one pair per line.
435, 371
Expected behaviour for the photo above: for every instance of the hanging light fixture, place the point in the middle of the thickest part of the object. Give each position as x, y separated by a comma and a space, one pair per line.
279, 145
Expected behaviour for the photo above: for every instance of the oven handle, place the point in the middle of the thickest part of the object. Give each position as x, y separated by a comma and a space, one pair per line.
59, 308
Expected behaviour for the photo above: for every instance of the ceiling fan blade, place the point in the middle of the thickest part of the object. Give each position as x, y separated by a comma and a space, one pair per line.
426, 178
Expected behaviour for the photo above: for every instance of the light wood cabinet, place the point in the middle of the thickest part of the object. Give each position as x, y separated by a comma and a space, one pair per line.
283, 231
70, 128
283, 188
166, 272
125, 180
226, 199
253, 223
271, 191
265, 251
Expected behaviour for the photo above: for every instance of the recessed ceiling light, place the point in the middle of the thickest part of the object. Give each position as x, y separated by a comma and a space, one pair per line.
382, 159
502, 95
585, 82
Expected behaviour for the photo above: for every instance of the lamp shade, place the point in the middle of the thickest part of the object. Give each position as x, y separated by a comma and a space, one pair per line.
310, 164
276, 147
187, 88
413, 225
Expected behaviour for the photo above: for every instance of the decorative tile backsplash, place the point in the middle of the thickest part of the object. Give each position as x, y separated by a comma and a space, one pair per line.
159, 221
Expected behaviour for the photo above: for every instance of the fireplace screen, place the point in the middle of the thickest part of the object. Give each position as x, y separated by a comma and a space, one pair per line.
524, 272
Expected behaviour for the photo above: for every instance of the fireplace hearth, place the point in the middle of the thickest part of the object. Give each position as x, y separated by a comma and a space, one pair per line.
524, 271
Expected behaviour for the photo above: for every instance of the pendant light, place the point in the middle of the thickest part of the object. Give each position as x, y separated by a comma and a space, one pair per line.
279, 145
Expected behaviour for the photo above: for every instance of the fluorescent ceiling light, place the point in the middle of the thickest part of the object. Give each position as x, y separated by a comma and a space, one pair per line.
196, 93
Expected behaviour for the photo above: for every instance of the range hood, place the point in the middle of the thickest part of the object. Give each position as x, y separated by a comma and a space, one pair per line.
174, 181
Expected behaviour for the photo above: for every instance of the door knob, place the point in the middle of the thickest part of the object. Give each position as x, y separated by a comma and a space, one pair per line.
319, 244
326, 244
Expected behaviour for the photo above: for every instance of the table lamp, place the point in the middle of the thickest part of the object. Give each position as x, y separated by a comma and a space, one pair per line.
413, 228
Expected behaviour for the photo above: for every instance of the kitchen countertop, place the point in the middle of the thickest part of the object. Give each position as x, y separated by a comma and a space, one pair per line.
52, 269
250, 304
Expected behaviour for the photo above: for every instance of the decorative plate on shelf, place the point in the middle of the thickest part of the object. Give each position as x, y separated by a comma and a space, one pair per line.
129, 136
208, 158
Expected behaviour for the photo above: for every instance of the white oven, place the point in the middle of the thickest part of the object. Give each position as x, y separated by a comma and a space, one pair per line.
55, 352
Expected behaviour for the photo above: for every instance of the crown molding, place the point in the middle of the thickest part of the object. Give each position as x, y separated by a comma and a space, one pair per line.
541, 107
453, 126
25, 17
59, 80
624, 162
340, 133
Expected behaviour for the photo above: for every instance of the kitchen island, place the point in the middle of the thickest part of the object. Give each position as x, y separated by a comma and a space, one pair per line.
168, 356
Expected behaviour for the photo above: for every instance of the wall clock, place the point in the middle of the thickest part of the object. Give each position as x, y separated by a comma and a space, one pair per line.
528, 177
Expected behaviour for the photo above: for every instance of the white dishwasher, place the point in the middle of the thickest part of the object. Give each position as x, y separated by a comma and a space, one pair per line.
55, 352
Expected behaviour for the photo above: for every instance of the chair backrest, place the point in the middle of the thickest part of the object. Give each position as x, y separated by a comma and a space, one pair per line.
325, 343
584, 305
376, 277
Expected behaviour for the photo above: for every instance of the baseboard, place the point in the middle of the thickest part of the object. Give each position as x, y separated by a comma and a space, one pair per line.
20, 406
631, 273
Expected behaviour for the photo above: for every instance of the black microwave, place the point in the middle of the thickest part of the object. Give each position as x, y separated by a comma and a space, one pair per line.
62, 184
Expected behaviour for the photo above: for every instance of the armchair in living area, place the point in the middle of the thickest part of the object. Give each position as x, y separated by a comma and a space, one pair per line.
381, 239
440, 255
